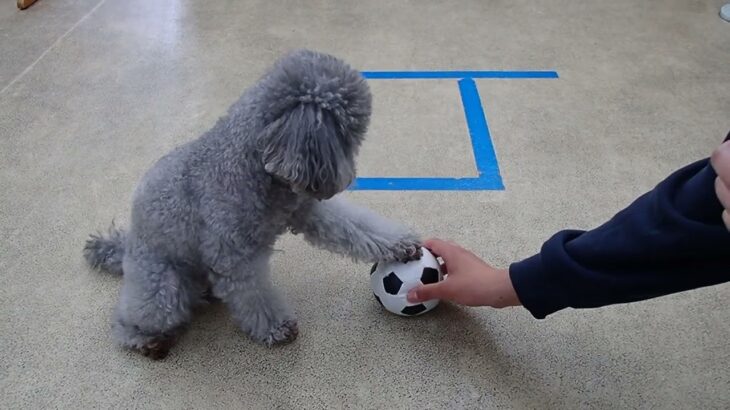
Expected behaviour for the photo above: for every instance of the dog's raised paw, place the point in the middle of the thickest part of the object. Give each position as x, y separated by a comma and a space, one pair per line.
413, 253
287, 332
407, 251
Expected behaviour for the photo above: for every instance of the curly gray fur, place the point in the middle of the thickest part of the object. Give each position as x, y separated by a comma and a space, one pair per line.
105, 253
206, 215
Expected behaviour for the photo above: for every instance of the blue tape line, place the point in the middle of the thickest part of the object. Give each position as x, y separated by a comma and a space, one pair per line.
427, 184
436, 75
484, 156
481, 141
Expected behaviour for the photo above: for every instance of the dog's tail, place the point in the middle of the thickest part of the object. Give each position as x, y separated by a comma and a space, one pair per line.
105, 252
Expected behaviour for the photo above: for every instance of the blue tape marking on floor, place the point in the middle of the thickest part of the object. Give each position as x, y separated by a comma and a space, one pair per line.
481, 141
486, 160
427, 184
436, 75
484, 156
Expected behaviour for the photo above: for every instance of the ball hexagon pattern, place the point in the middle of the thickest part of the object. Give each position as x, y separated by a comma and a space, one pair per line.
430, 275
392, 284
392, 281
414, 309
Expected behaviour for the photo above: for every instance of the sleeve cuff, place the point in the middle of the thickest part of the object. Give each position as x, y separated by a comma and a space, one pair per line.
540, 294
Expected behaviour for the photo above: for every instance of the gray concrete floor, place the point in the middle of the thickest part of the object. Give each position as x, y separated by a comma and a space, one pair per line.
92, 93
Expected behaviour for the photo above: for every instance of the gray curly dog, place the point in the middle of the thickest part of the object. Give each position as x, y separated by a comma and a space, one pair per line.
206, 215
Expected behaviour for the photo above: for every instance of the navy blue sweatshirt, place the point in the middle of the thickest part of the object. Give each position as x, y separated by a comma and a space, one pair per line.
669, 240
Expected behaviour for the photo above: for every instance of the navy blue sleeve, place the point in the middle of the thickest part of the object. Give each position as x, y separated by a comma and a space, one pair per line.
669, 240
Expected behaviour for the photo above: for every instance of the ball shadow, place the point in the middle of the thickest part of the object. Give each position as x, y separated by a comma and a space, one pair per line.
456, 343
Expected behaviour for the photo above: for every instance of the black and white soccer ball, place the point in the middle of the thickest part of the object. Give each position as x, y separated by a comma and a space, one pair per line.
392, 281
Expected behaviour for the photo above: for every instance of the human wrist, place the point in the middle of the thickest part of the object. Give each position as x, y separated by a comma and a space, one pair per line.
506, 296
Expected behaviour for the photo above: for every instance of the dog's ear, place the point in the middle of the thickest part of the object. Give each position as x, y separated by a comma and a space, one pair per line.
303, 148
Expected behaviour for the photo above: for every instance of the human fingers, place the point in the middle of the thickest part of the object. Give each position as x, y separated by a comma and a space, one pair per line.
721, 162
440, 248
423, 293
723, 193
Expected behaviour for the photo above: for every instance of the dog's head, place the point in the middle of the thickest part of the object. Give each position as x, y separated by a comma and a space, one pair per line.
316, 111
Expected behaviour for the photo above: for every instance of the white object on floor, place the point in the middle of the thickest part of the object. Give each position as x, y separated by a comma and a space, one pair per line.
725, 12
392, 281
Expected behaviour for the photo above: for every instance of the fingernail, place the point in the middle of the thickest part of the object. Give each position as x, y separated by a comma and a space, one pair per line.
412, 296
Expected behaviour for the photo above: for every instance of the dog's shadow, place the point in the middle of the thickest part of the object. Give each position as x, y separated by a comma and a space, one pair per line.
450, 344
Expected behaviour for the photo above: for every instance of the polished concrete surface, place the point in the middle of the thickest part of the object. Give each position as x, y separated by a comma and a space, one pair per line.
92, 92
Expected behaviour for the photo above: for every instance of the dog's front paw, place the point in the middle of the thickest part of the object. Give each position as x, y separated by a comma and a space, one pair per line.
285, 332
406, 250
155, 345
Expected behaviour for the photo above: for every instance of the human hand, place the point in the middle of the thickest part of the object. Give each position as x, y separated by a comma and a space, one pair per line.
721, 163
469, 280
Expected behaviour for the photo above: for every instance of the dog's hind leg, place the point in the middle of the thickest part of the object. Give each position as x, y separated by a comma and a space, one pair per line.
256, 306
155, 301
